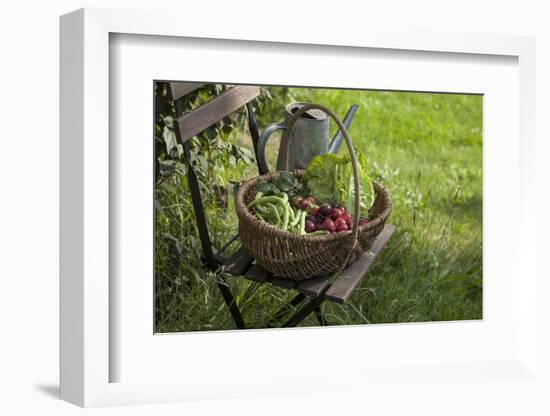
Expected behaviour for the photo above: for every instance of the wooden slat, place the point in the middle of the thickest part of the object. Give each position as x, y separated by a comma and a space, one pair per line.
258, 274
284, 283
179, 89
192, 123
239, 262
341, 289
313, 287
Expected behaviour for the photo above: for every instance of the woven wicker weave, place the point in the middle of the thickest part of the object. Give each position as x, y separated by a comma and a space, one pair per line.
300, 257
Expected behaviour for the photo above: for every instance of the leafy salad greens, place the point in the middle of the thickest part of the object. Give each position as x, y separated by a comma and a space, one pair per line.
330, 178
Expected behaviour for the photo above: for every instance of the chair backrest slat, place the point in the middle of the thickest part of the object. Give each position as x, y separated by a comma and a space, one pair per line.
192, 123
179, 89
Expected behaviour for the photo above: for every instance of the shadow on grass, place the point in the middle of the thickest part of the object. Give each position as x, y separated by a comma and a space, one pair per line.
423, 276
471, 209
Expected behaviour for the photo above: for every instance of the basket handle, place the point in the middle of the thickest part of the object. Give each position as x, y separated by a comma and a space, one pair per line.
286, 139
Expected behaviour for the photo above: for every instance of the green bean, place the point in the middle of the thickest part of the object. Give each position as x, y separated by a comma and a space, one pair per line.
280, 209
303, 223
291, 215
296, 219
259, 195
319, 232
275, 212
286, 216
262, 209
263, 199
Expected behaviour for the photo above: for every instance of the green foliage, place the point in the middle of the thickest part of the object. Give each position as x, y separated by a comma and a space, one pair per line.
366, 190
219, 163
321, 177
271, 104
286, 182
330, 178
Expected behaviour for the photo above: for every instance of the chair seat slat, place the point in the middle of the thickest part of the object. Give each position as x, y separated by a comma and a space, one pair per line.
313, 287
239, 262
342, 288
284, 283
258, 274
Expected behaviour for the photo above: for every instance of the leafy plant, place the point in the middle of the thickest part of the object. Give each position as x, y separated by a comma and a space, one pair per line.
285, 182
219, 162
329, 178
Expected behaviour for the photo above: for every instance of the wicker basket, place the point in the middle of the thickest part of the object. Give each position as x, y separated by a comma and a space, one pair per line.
301, 257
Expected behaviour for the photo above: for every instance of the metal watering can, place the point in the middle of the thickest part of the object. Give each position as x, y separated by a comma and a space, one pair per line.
309, 138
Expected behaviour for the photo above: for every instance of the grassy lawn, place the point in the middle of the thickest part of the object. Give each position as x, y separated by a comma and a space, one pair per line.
427, 150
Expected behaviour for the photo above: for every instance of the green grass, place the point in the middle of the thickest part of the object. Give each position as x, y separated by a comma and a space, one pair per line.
427, 150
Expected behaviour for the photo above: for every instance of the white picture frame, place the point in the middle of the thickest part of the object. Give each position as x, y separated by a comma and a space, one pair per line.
86, 356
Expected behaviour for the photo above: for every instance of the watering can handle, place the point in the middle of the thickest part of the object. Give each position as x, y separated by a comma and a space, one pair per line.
262, 142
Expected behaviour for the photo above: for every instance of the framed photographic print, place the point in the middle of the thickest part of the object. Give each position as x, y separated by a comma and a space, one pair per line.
251, 229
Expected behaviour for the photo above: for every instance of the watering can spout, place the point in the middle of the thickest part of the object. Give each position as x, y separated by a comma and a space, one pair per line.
338, 137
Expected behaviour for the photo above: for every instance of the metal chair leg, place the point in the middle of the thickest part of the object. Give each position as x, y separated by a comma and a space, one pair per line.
198, 208
285, 309
231, 304
304, 312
